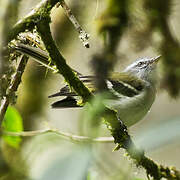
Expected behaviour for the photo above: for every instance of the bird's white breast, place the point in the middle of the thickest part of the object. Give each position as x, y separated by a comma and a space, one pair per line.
132, 109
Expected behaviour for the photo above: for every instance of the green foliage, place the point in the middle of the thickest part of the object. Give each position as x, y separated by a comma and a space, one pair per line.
13, 123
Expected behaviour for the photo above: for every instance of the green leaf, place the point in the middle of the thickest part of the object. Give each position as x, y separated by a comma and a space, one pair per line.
12, 122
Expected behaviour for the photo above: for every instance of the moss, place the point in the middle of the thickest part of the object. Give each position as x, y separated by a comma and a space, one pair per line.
58, 59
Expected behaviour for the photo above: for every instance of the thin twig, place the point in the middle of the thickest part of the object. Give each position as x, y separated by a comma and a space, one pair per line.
83, 35
16, 79
65, 135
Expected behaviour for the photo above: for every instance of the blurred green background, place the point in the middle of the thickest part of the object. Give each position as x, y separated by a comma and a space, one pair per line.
48, 156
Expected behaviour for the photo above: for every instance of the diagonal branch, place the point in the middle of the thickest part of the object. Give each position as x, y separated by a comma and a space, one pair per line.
83, 35
10, 93
59, 60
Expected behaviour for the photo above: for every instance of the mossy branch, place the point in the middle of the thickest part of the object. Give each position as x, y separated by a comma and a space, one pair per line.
10, 92
40, 17
123, 140
44, 30
9, 80
29, 22
83, 35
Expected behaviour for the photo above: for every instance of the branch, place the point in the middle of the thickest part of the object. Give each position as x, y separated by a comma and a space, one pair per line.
65, 135
59, 60
32, 18
83, 35
10, 93
7, 17
169, 173
27, 23
40, 17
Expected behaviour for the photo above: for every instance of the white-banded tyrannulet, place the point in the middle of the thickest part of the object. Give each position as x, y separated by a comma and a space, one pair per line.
134, 89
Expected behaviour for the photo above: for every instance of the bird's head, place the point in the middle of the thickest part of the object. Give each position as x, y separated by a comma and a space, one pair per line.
144, 68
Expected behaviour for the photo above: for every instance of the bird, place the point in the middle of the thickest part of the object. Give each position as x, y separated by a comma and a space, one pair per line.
133, 90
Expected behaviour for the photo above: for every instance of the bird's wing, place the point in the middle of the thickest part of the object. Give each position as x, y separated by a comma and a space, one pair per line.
68, 102
118, 83
71, 101
67, 91
125, 84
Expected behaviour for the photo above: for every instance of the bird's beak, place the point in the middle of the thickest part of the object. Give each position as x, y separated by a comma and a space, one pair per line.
155, 59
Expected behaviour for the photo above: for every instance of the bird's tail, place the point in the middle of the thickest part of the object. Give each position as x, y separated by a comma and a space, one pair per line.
68, 102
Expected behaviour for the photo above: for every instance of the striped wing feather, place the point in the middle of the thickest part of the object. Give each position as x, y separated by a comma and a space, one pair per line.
117, 84
126, 86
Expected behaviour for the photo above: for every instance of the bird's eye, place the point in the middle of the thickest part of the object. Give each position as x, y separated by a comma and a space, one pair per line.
140, 63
